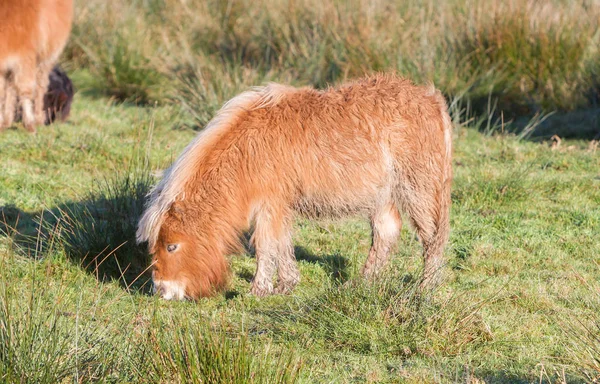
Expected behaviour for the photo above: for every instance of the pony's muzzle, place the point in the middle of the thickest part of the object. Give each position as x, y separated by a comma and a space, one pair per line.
169, 290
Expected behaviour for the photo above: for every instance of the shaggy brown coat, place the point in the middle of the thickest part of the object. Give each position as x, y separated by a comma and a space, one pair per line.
33, 33
368, 147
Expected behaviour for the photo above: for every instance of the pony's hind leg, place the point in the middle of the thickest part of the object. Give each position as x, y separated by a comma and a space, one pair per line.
3, 89
10, 103
288, 275
24, 81
433, 241
428, 212
386, 225
42, 81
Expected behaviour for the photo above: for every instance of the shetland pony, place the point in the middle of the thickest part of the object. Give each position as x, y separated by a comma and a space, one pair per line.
33, 33
370, 147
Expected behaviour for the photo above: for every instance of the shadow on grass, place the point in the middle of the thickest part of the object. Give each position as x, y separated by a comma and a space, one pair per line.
500, 377
493, 114
335, 265
97, 233
581, 124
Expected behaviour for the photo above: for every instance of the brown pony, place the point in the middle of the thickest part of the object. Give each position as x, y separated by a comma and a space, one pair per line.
33, 33
370, 147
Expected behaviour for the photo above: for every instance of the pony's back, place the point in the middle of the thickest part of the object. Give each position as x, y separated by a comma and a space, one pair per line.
18, 29
328, 153
33, 27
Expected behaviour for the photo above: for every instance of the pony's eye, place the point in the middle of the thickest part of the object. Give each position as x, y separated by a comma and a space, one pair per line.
172, 247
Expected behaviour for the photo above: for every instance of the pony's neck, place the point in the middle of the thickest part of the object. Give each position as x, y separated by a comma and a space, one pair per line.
218, 214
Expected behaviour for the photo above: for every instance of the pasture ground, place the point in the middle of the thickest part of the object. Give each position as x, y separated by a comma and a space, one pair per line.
522, 294
520, 297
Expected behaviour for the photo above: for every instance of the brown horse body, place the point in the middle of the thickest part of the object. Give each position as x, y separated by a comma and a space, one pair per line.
370, 147
33, 33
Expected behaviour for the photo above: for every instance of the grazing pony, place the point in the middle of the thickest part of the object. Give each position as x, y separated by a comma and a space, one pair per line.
369, 147
33, 33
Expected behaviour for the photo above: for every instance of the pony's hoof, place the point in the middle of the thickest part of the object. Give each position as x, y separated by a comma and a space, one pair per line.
4, 124
30, 128
284, 288
431, 281
261, 290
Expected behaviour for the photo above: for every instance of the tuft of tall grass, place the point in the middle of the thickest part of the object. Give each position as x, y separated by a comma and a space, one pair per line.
187, 352
118, 46
534, 52
99, 232
583, 337
387, 317
39, 343
530, 57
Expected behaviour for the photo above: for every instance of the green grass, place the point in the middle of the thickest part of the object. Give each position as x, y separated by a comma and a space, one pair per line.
529, 57
524, 237
520, 301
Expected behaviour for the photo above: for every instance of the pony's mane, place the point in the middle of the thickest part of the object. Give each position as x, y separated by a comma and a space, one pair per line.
172, 185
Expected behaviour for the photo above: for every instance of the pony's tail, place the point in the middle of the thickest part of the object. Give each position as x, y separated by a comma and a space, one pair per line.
434, 248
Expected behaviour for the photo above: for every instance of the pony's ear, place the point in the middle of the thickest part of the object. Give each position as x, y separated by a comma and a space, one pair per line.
177, 211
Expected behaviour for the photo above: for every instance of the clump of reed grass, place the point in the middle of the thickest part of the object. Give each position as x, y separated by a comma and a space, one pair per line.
99, 232
41, 343
187, 352
387, 317
530, 57
583, 337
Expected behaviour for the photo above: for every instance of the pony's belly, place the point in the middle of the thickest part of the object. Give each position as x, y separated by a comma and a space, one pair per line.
337, 205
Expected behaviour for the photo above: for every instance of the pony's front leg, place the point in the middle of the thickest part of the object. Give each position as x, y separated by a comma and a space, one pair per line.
272, 240
42, 81
266, 264
288, 274
265, 244
24, 82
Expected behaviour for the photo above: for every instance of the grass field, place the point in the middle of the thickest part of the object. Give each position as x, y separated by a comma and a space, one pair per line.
522, 293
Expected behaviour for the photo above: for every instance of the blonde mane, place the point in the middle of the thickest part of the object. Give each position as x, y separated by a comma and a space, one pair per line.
172, 185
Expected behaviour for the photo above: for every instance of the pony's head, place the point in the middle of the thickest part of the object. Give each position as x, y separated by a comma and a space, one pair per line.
186, 264
58, 97
189, 247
